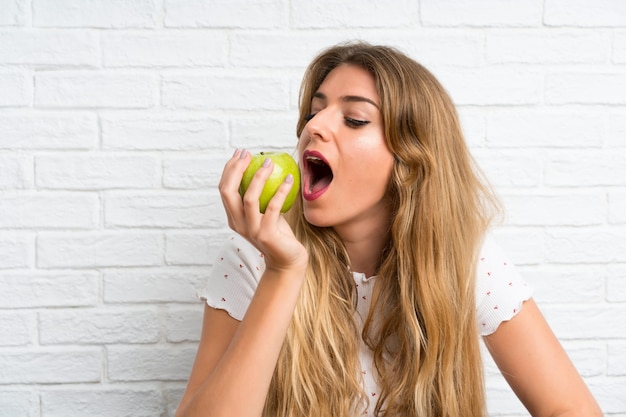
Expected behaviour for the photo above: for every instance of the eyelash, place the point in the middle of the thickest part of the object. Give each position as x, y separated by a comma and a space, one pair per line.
355, 122
350, 122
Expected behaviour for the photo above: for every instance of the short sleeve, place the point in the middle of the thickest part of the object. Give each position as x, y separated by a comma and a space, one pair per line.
500, 289
234, 277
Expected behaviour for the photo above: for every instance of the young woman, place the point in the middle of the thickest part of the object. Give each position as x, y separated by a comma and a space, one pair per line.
370, 296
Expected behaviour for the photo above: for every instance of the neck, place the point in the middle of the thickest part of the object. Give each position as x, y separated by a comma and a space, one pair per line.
364, 248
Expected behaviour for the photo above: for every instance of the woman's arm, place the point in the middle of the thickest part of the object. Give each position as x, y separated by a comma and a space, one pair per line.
537, 368
235, 361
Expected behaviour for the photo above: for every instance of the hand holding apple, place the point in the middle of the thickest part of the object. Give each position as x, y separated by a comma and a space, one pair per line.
284, 165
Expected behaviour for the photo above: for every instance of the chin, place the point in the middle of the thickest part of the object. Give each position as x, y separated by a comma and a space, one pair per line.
316, 218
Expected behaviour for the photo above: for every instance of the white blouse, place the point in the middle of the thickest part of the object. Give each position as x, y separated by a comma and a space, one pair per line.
500, 292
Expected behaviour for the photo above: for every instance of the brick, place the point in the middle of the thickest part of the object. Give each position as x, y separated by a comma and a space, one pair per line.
18, 328
49, 211
585, 88
98, 326
609, 393
555, 210
485, 13
147, 363
192, 248
32, 289
49, 47
17, 172
248, 15
474, 126
156, 131
95, 89
50, 365
593, 321
586, 169
589, 358
224, 93
17, 250
50, 131
586, 245
619, 47
523, 246
561, 284
17, 89
275, 50
175, 210
14, 13
103, 14
294, 91
184, 324
581, 13
617, 208
546, 47
100, 171
163, 285
435, 47
102, 402
173, 393
616, 283
616, 364
510, 168
265, 134
326, 14
492, 86
99, 249
178, 49
193, 172
617, 130
541, 128
23, 403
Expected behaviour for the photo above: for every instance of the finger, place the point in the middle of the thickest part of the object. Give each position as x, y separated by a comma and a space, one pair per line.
276, 203
255, 188
234, 169
229, 189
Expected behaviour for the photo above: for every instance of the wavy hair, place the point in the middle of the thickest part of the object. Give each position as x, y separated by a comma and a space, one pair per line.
422, 322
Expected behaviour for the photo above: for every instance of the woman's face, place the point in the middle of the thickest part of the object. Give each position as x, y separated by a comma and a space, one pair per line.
344, 158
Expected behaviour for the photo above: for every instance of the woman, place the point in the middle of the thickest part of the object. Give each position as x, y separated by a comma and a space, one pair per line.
369, 297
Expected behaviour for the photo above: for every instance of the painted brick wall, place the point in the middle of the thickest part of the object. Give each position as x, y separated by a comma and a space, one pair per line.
116, 117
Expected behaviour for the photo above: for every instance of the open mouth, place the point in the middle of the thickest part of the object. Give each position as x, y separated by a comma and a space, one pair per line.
317, 175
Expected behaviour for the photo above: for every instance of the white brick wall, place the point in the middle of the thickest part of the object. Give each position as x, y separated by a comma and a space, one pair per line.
116, 118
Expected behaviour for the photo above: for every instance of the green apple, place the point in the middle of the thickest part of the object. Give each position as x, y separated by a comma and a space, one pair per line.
284, 165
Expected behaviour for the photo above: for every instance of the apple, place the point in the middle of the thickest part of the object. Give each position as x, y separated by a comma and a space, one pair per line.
284, 165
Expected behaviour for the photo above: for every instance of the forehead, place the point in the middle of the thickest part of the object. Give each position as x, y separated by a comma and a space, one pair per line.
351, 80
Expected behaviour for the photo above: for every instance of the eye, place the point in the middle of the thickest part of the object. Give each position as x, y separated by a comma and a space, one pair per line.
350, 122
309, 117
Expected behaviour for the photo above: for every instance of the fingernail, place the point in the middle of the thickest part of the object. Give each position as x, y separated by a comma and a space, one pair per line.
243, 154
236, 150
289, 179
267, 162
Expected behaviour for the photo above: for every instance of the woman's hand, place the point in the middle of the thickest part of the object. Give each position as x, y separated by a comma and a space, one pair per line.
268, 232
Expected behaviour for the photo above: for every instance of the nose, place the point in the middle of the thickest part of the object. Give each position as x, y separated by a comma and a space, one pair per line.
318, 127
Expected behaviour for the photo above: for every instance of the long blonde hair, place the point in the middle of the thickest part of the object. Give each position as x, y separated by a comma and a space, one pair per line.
421, 325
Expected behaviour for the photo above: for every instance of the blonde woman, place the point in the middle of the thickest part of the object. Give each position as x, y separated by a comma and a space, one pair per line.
370, 296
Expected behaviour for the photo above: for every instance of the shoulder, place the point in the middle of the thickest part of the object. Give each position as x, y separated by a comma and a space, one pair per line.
238, 253
234, 276
500, 288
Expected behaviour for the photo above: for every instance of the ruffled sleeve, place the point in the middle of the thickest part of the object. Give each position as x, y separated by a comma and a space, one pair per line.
500, 289
234, 277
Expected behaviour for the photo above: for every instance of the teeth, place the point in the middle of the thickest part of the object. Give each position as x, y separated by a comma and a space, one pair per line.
314, 159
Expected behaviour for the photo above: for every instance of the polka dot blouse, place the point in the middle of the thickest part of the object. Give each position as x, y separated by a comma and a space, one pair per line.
500, 292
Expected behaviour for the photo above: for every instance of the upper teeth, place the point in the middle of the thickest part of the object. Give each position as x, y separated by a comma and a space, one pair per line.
314, 159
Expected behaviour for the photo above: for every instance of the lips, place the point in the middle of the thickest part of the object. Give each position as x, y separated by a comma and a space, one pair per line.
317, 175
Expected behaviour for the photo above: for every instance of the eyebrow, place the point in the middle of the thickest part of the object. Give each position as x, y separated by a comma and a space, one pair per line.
348, 99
